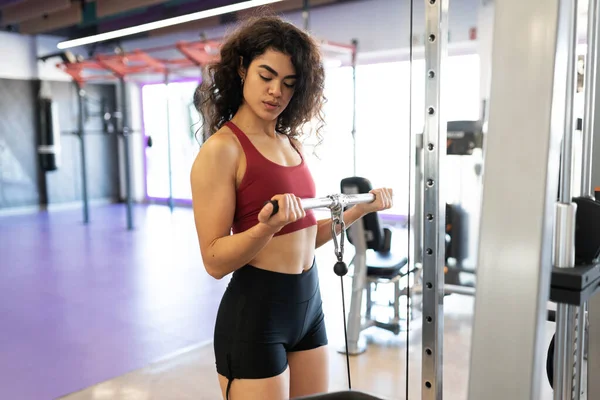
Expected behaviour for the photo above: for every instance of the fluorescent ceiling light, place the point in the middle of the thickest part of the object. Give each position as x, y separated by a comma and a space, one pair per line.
164, 23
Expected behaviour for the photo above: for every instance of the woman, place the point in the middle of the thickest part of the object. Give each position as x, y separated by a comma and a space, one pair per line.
269, 339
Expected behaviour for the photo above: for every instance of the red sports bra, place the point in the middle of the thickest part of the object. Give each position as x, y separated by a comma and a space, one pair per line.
262, 180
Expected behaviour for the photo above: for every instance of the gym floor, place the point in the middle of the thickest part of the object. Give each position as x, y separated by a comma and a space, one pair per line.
99, 312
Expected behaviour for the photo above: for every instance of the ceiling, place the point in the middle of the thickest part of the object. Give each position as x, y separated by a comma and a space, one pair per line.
78, 18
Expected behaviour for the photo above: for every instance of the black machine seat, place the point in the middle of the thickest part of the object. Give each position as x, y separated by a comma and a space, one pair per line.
385, 265
381, 260
342, 395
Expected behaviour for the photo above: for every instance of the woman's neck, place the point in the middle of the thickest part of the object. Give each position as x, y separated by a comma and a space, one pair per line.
248, 121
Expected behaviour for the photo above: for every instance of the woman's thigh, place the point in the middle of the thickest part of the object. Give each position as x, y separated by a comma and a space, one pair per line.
276, 388
309, 372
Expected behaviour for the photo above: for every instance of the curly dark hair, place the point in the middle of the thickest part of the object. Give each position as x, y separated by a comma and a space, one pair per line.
219, 96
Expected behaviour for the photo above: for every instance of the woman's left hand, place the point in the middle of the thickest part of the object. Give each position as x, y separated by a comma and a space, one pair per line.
383, 201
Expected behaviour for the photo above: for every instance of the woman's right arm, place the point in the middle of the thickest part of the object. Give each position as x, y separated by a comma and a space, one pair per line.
212, 181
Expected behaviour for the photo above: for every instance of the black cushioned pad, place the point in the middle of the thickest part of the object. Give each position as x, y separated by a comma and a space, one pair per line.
345, 395
386, 265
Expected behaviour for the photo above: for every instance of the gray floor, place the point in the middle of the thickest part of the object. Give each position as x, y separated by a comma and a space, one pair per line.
381, 370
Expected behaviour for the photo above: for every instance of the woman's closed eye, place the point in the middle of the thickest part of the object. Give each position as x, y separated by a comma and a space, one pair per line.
266, 79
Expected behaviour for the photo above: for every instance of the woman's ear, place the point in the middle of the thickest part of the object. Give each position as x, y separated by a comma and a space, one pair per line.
241, 69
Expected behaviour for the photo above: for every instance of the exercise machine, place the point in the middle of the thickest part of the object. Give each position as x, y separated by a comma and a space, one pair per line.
375, 262
542, 249
463, 138
464, 152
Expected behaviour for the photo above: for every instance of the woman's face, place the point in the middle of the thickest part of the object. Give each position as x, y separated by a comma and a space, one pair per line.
269, 84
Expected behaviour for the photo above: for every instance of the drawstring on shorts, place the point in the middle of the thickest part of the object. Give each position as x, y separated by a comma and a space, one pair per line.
230, 377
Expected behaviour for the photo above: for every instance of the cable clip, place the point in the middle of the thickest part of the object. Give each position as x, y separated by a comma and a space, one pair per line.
337, 218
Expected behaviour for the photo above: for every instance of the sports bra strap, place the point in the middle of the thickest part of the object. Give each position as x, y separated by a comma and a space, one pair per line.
251, 152
247, 144
240, 135
295, 148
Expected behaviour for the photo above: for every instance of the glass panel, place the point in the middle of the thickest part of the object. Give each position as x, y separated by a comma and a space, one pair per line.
184, 122
155, 126
331, 160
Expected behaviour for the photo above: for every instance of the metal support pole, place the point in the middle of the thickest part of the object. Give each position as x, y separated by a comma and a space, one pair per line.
81, 136
356, 344
566, 192
305, 13
434, 138
515, 237
418, 201
587, 190
578, 381
591, 65
593, 351
170, 166
354, 51
126, 132
564, 234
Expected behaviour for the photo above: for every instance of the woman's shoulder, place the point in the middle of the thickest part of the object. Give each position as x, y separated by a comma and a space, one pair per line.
221, 145
222, 140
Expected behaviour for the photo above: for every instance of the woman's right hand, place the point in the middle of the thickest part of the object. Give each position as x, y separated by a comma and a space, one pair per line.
290, 210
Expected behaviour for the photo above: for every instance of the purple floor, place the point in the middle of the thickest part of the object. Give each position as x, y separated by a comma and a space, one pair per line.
82, 304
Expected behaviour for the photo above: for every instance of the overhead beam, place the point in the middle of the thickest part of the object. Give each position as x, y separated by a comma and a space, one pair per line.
26, 10
4, 3
284, 6
280, 7
127, 21
60, 19
157, 13
105, 8
191, 26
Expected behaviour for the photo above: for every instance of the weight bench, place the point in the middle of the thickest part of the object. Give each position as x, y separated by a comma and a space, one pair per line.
375, 262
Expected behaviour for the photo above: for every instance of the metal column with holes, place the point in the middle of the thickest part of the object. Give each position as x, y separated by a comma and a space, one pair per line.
564, 231
434, 210
593, 360
589, 117
520, 186
590, 136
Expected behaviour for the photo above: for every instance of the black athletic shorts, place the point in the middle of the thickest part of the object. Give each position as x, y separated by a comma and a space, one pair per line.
262, 316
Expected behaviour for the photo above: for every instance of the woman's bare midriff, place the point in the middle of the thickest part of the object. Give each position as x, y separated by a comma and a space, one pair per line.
292, 253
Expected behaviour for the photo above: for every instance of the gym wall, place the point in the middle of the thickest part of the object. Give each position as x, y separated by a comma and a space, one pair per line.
65, 184
18, 162
22, 184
